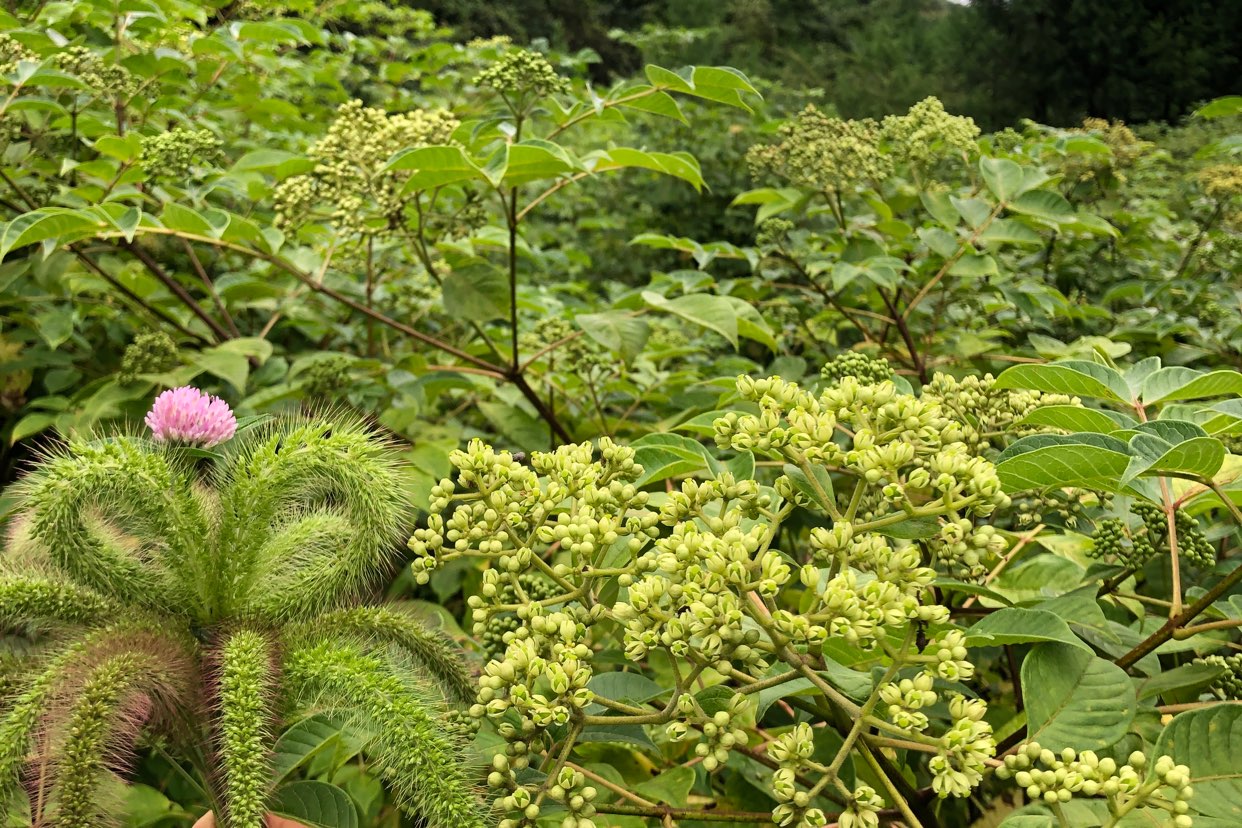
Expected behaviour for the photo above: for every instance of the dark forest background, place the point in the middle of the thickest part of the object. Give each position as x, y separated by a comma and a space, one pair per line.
1054, 61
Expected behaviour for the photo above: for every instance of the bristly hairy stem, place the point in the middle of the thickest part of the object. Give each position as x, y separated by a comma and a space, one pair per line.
108, 703
434, 650
422, 763
310, 516
114, 478
245, 689
44, 599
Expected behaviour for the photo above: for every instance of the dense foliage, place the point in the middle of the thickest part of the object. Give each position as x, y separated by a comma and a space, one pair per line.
767, 466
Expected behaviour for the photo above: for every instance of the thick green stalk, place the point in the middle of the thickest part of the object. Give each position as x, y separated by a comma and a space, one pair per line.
245, 689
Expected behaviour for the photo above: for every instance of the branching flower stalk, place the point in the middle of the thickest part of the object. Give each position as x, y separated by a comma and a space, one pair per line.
695, 576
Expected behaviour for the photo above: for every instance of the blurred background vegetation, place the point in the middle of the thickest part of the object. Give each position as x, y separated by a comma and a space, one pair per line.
1053, 61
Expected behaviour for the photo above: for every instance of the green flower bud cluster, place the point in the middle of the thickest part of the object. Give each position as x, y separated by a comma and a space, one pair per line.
496, 632
580, 355
793, 750
11, 52
178, 152
104, 78
867, 370
521, 72
906, 699
718, 730
697, 580
1192, 544
906, 448
1059, 777
863, 809
1221, 181
927, 132
1229, 684
1125, 148
327, 377
350, 161
410, 293
879, 588
151, 352
990, 414
773, 232
965, 747
820, 152
1069, 506
690, 584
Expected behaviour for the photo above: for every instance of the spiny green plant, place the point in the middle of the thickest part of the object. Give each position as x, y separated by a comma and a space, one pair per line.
173, 590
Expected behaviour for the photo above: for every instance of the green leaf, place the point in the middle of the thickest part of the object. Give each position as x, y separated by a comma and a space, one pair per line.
28, 426
1017, 625
670, 788
940, 208
618, 734
435, 167
1178, 383
1003, 177
1077, 378
941, 242
1041, 461
722, 84
812, 489
476, 291
230, 361
975, 265
122, 148
185, 220
630, 688
317, 804
1201, 456
667, 455
751, 325
617, 331
1209, 742
713, 312
1075, 699
1072, 418
300, 742
535, 159
1045, 205
1005, 231
657, 103
1188, 677
49, 224
1221, 107
681, 165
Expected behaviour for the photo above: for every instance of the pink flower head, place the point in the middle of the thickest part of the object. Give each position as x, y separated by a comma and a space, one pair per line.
187, 415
